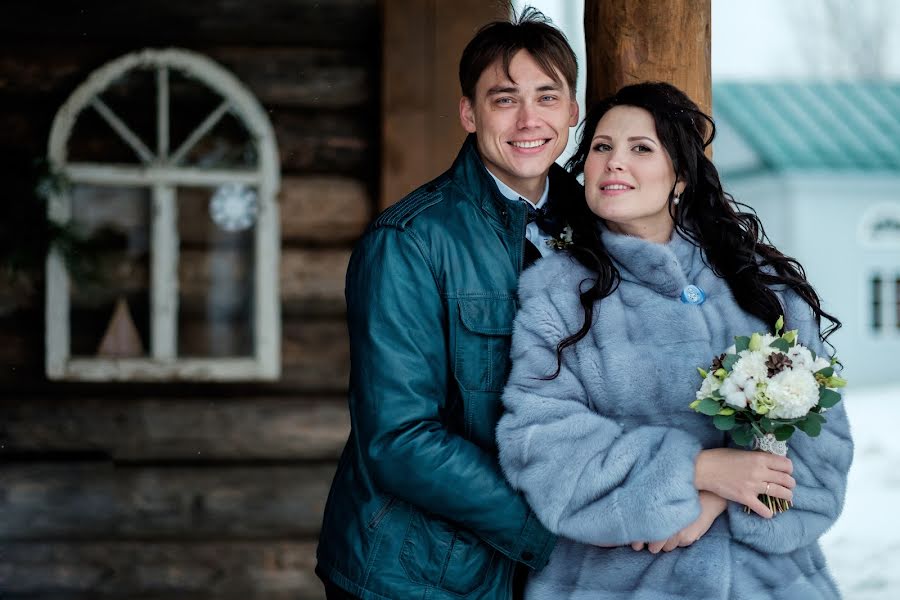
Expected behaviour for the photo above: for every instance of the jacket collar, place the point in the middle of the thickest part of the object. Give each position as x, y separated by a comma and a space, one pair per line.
666, 268
468, 171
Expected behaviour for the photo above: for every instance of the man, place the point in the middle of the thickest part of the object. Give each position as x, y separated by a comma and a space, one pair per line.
419, 507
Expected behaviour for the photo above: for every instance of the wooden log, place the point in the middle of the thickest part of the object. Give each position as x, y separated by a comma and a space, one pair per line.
194, 429
324, 78
97, 500
323, 210
648, 40
143, 22
270, 570
312, 280
326, 143
315, 357
308, 142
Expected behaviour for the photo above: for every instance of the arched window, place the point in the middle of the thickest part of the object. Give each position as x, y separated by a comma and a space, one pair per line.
173, 155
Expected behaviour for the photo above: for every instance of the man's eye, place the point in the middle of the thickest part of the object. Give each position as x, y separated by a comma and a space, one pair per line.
504, 100
548, 98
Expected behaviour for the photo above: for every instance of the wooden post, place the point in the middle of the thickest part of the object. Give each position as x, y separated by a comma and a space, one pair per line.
648, 40
421, 133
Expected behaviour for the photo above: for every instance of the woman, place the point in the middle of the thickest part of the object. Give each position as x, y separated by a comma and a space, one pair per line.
644, 493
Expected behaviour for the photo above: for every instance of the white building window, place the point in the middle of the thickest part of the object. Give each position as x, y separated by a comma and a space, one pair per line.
186, 181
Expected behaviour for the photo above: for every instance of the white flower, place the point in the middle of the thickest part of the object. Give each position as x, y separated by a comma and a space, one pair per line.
737, 391
819, 364
751, 365
709, 385
765, 348
801, 358
794, 392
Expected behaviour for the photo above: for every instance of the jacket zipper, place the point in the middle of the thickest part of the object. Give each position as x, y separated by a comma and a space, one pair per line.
373, 523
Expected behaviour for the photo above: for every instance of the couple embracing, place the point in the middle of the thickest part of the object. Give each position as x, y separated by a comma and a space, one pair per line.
522, 359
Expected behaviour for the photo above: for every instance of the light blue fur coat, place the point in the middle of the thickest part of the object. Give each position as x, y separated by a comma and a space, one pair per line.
605, 452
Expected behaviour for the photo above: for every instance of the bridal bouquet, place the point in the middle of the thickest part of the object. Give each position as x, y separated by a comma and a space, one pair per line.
765, 387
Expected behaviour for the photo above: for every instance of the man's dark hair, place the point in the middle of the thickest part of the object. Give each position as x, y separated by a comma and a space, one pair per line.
530, 31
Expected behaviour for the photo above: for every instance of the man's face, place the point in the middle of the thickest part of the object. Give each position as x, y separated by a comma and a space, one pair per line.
522, 125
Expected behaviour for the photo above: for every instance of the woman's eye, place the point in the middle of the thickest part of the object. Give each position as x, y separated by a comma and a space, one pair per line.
642, 149
601, 147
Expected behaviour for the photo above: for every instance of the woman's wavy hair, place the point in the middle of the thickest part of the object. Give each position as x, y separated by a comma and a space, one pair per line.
733, 241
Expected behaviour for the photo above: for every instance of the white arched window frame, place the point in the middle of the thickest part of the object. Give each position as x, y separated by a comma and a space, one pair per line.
160, 172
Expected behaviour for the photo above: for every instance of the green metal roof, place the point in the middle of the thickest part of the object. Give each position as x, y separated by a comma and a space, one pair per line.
815, 125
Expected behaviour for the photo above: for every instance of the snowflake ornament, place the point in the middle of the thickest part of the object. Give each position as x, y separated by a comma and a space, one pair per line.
234, 207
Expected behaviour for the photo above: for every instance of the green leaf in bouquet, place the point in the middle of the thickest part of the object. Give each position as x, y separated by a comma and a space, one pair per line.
784, 432
726, 410
728, 361
767, 424
779, 324
708, 407
828, 398
813, 353
742, 435
817, 416
724, 422
703, 373
780, 344
811, 426
694, 404
741, 343
826, 372
791, 336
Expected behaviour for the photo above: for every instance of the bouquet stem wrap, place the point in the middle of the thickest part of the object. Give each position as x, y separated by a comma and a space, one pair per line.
768, 443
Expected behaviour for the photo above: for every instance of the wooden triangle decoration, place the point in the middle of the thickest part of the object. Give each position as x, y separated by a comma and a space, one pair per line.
121, 339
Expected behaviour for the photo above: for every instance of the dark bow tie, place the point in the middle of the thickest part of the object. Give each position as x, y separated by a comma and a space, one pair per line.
544, 217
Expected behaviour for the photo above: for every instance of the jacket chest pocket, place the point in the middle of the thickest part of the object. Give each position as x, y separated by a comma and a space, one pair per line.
482, 329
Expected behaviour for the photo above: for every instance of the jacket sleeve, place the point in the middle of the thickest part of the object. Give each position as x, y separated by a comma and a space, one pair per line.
399, 387
586, 477
820, 464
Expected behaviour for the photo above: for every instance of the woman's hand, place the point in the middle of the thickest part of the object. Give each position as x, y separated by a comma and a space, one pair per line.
711, 506
741, 475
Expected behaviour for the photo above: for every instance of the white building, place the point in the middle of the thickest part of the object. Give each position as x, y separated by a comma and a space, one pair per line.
820, 163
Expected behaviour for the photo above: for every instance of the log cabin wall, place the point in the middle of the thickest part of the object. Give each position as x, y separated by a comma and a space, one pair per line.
190, 490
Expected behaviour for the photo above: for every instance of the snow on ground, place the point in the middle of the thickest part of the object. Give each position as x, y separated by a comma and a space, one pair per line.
863, 547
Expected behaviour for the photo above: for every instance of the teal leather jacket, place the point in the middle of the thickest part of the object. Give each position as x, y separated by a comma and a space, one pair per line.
419, 507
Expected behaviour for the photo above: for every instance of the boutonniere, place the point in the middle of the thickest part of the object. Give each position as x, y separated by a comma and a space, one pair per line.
563, 241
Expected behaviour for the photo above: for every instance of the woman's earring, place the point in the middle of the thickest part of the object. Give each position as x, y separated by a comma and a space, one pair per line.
676, 199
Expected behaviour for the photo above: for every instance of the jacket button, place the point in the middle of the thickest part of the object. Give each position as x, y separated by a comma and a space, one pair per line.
526, 555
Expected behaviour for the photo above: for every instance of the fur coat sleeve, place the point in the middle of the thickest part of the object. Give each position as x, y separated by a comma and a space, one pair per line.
586, 477
820, 467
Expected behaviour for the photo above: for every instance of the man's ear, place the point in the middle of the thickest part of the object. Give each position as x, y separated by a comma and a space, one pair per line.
466, 114
573, 114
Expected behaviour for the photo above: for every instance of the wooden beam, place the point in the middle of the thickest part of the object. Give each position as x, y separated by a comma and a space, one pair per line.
629, 41
269, 570
423, 41
193, 429
97, 500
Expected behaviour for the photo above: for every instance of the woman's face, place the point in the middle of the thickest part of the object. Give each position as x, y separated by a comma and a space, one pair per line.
628, 175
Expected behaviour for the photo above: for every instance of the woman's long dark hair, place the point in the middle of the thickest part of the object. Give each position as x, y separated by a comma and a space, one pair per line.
734, 242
